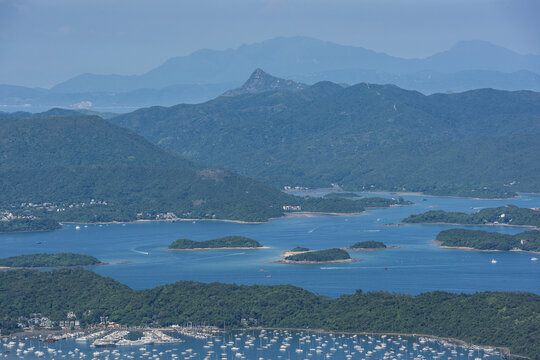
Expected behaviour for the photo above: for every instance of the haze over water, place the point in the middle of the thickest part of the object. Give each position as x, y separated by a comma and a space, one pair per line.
138, 259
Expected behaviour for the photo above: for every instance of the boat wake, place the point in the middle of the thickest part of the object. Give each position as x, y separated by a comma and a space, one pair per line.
140, 252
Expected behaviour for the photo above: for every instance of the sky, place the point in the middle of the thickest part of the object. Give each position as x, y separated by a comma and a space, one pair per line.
44, 42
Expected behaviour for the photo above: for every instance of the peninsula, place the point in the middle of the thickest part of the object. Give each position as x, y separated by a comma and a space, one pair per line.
316, 256
482, 315
227, 242
509, 215
28, 225
528, 241
49, 261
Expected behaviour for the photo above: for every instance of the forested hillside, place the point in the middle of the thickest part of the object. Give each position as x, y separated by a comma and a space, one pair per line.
488, 318
82, 168
481, 143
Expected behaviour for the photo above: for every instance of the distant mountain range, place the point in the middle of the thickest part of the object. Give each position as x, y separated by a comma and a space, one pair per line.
206, 74
481, 143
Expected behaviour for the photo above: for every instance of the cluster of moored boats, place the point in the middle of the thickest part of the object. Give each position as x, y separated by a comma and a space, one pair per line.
118, 338
260, 344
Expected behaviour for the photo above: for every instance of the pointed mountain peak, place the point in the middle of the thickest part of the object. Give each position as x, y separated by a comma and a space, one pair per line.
261, 81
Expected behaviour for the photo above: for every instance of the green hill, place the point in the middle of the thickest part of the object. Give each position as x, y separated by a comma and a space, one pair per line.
28, 225
490, 318
49, 260
480, 143
224, 242
316, 256
484, 240
507, 215
82, 168
368, 245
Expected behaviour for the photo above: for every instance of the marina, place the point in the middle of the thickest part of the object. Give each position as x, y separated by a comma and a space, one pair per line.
257, 344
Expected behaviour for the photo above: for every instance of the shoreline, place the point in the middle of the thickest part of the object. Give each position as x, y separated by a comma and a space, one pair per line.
320, 213
30, 231
504, 350
316, 262
413, 193
403, 193
2, 268
458, 224
467, 248
372, 249
220, 248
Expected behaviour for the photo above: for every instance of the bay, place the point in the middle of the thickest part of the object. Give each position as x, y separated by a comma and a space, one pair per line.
137, 256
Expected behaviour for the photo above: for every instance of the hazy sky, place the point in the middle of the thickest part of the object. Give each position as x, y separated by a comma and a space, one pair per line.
43, 42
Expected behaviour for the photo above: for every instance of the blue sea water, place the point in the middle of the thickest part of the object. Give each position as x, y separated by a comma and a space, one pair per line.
137, 256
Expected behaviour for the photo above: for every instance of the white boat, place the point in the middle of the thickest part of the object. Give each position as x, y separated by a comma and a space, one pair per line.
534, 259
493, 261
77, 227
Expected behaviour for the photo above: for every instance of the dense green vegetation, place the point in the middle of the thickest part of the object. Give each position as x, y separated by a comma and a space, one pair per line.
81, 168
494, 318
299, 248
49, 260
484, 240
480, 143
27, 225
224, 242
368, 245
320, 256
509, 215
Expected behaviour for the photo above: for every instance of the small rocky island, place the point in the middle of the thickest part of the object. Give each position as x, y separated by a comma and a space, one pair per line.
369, 245
479, 240
316, 256
227, 242
49, 261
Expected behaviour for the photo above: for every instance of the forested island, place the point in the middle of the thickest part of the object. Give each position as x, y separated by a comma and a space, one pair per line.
338, 204
490, 241
316, 256
28, 225
49, 260
227, 242
507, 319
504, 215
367, 245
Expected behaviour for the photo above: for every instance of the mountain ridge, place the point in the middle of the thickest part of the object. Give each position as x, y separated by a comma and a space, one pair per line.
287, 57
261, 81
339, 135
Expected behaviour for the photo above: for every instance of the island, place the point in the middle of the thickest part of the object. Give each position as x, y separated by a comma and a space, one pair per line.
509, 215
316, 256
49, 261
227, 242
528, 241
28, 225
368, 246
